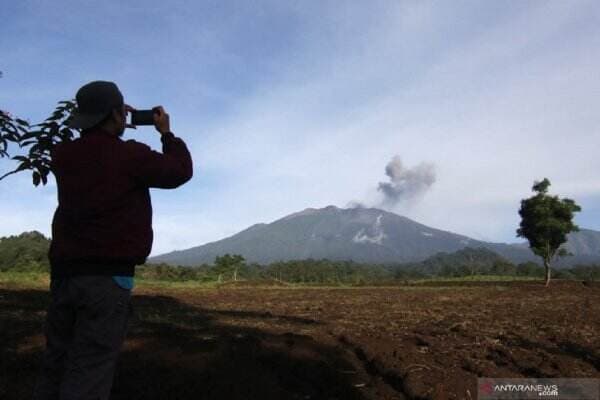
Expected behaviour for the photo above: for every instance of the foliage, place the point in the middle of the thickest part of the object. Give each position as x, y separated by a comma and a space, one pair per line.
467, 261
297, 271
325, 272
545, 222
530, 268
228, 265
37, 140
586, 272
11, 129
177, 273
26, 252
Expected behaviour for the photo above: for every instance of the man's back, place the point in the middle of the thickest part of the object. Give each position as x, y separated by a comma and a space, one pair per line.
104, 215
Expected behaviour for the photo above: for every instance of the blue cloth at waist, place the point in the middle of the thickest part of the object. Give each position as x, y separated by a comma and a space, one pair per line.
126, 282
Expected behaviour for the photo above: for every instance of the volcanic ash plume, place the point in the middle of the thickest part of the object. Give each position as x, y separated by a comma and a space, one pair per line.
406, 184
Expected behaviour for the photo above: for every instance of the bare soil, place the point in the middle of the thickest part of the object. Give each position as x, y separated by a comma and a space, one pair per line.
425, 342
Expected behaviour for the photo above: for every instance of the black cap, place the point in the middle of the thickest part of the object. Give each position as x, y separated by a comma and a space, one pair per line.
95, 101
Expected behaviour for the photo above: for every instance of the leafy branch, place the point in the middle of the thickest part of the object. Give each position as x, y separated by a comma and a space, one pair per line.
38, 140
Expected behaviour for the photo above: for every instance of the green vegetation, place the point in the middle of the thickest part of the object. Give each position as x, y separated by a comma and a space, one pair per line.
545, 222
229, 264
27, 252
19, 279
23, 258
307, 272
466, 262
38, 139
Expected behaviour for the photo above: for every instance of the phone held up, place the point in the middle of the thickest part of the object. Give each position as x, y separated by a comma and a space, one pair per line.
143, 117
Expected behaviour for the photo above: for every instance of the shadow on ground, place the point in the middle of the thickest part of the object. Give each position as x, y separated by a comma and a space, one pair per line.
178, 351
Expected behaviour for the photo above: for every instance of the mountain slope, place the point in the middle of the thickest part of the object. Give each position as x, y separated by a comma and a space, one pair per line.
366, 235
586, 242
360, 234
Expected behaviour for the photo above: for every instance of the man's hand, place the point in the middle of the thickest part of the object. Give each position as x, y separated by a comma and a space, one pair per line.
128, 109
161, 120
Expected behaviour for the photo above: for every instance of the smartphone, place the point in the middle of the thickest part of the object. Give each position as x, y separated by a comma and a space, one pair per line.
143, 117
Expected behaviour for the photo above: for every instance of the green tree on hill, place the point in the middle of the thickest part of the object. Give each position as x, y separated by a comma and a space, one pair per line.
25, 252
545, 222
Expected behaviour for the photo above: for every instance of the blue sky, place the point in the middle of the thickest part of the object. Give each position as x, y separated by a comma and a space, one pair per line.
289, 105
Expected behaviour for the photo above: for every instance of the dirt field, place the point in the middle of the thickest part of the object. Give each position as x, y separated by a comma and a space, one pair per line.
427, 342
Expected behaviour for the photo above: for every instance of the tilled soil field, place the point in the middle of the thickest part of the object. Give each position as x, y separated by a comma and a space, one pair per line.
409, 342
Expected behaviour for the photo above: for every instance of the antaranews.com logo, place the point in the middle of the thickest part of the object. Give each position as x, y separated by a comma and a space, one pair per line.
546, 388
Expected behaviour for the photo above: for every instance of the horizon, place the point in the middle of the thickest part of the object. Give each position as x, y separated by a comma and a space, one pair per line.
522, 240
292, 106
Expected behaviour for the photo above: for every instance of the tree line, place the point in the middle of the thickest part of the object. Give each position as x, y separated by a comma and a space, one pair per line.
28, 251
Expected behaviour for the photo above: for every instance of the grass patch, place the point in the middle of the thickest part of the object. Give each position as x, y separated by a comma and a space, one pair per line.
166, 284
38, 280
41, 280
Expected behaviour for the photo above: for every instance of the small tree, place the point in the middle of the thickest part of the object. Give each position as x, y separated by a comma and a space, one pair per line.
545, 222
228, 264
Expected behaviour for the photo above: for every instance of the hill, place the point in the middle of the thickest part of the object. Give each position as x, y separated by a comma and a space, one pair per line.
25, 252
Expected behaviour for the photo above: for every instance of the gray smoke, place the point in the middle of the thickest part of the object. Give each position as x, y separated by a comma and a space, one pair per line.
406, 184
356, 204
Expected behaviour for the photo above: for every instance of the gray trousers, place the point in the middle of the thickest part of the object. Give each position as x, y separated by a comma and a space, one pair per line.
85, 328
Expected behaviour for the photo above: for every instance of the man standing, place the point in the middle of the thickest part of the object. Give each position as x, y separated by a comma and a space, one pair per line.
102, 229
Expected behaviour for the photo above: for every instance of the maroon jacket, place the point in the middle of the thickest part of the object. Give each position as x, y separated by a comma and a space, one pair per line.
103, 222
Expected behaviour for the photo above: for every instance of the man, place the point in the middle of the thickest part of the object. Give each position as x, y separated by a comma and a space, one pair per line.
102, 229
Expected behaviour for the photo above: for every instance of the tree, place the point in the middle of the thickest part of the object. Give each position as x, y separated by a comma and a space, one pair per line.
25, 252
37, 139
229, 264
545, 222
